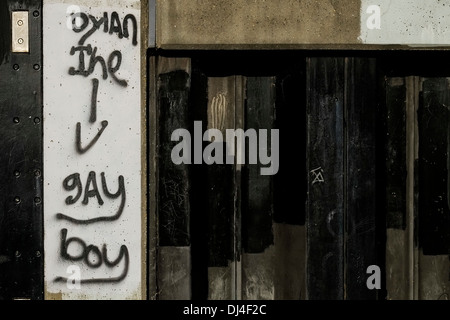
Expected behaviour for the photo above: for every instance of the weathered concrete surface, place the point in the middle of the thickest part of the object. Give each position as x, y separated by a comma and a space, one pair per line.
314, 24
191, 23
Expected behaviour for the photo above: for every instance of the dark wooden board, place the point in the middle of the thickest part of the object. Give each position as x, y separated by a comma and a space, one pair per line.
173, 193
325, 166
362, 205
434, 212
290, 110
395, 153
258, 195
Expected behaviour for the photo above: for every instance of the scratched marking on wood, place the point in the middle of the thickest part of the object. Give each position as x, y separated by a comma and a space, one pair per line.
92, 143
173, 264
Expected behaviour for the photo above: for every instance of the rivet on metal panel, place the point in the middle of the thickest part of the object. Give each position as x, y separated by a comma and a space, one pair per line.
37, 120
16, 66
17, 199
20, 40
36, 67
16, 173
16, 120
37, 173
37, 200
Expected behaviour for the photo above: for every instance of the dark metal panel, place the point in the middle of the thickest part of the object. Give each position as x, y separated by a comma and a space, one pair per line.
325, 214
21, 230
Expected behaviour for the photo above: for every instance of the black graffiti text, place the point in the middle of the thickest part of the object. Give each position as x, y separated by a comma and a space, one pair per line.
106, 66
93, 257
81, 149
91, 190
111, 25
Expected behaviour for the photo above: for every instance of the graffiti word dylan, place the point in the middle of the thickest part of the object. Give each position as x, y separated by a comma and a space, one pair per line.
112, 24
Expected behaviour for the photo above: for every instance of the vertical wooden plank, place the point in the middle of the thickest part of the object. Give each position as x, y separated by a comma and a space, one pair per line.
397, 265
173, 257
152, 182
434, 215
220, 193
411, 199
239, 122
361, 198
325, 167
290, 203
291, 119
258, 259
289, 262
145, 151
199, 219
257, 221
21, 196
396, 172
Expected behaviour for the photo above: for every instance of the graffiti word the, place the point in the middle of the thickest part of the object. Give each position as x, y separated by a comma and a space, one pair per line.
111, 24
107, 67
91, 189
